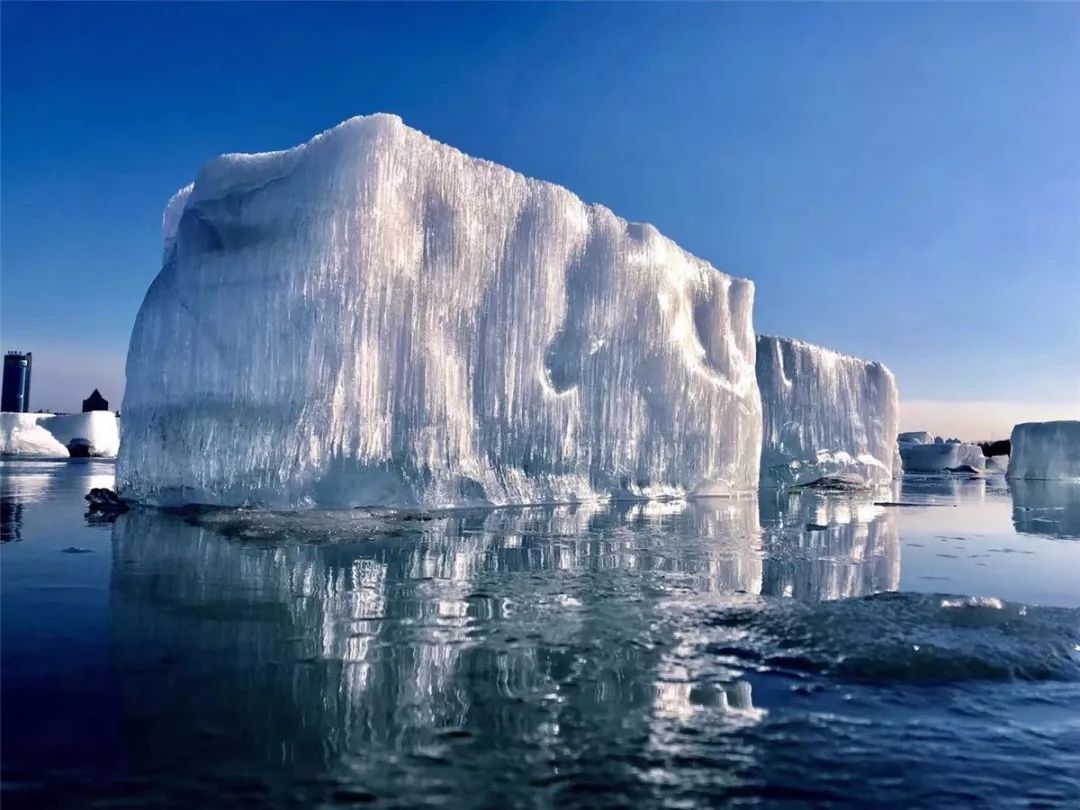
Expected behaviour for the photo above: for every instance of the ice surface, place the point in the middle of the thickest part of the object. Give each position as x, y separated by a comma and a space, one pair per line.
22, 434
941, 457
1048, 451
170, 219
377, 318
96, 433
825, 414
997, 464
915, 437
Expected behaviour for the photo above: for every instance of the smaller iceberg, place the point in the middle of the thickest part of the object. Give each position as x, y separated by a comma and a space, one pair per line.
1046, 451
945, 456
828, 417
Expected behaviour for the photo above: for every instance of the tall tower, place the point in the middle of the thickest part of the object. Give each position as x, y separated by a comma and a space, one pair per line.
16, 393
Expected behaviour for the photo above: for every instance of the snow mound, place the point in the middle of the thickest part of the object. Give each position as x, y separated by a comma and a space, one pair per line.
96, 433
942, 457
377, 318
22, 434
826, 415
1048, 451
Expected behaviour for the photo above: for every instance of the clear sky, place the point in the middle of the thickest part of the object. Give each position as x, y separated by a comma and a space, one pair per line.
902, 182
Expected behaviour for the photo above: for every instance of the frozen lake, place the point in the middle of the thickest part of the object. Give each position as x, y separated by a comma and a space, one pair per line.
792, 649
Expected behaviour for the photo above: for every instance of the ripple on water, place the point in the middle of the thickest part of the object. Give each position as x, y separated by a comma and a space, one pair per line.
913, 638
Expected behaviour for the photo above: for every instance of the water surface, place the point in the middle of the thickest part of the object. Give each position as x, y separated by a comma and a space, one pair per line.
785, 650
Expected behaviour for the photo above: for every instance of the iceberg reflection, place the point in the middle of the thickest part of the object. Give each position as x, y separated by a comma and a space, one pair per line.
444, 631
1050, 508
825, 546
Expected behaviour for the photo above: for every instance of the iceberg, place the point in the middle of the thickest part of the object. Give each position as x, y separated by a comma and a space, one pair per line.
950, 456
375, 318
1048, 451
997, 464
826, 415
23, 434
95, 433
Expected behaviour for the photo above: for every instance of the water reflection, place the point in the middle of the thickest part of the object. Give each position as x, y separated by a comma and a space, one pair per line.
21, 483
26, 483
952, 488
828, 546
546, 628
1050, 508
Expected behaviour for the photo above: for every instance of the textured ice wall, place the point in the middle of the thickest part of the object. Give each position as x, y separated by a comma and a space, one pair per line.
1046, 451
377, 318
826, 414
941, 457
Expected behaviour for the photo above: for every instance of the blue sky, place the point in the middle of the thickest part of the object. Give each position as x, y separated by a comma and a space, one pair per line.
902, 182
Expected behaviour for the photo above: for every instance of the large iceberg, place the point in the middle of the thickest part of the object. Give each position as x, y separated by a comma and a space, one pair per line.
826, 415
1048, 451
377, 318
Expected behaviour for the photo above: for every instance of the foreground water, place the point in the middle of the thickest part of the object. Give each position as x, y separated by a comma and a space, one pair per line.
790, 650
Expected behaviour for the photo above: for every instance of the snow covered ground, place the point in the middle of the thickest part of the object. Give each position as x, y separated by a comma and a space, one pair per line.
377, 318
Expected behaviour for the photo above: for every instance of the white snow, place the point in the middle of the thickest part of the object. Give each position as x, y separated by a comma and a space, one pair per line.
941, 457
915, 437
96, 433
825, 415
377, 318
47, 435
170, 219
1047, 451
22, 434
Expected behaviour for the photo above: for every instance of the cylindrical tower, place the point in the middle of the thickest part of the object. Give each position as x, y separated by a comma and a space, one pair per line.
16, 392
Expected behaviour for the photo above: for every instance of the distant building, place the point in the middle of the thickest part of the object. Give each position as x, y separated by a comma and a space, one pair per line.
16, 392
95, 402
